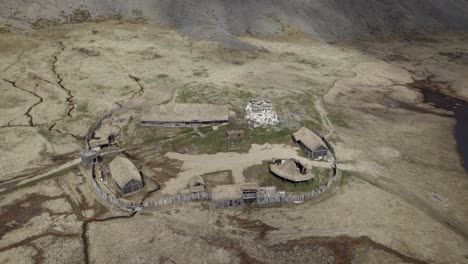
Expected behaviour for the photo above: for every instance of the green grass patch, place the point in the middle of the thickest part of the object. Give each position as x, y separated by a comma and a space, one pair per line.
235, 98
345, 177
83, 107
135, 133
298, 110
215, 140
186, 95
338, 119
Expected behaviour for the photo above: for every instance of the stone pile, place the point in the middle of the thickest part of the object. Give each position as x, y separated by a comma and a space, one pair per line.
261, 113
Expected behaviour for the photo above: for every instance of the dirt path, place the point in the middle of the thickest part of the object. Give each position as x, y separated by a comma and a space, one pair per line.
236, 162
6, 187
324, 118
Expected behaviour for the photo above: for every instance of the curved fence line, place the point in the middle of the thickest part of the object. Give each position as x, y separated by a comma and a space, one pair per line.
98, 124
279, 197
132, 207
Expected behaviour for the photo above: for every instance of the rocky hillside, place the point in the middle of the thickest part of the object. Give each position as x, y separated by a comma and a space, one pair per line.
219, 19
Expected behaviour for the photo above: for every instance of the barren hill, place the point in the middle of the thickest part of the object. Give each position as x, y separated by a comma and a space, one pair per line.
220, 19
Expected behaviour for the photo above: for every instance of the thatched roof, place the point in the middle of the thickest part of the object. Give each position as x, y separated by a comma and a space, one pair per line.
185, 113
226, 192
311, 140
289, 171
123, 171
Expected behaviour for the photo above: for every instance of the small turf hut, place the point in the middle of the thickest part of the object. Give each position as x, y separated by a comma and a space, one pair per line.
125, 175
291, 170
235, 195
311, 143
175, 115
195, 184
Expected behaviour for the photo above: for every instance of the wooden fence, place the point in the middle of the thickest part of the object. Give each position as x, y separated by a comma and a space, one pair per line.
132, 207
97, 125
279, 197
285, 197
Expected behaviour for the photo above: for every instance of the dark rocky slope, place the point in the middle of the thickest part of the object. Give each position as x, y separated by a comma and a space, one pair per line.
219, 19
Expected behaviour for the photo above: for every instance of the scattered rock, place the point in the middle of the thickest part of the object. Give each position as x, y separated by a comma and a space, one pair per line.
438, 197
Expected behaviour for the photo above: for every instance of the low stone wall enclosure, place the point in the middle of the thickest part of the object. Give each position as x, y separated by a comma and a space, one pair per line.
261, 199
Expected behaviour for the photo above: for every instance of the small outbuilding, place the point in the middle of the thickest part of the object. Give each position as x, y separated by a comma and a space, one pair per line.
196, 181
233, 195
291, 170
89, 157
125, 175
226, 196
195, 184
311, 143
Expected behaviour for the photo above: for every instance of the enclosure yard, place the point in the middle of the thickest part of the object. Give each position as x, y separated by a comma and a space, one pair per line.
260, 174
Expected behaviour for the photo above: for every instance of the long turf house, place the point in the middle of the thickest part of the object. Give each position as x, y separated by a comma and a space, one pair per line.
311, 143
176, 115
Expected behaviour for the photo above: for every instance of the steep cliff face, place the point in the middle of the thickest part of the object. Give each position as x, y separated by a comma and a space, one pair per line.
326, 19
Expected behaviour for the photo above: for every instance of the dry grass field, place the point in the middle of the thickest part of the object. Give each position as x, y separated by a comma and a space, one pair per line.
404, 199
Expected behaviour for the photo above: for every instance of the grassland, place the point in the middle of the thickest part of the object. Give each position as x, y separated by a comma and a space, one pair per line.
216, 141
212, 141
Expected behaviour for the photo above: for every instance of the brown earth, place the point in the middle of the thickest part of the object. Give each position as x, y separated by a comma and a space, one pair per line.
398, 152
